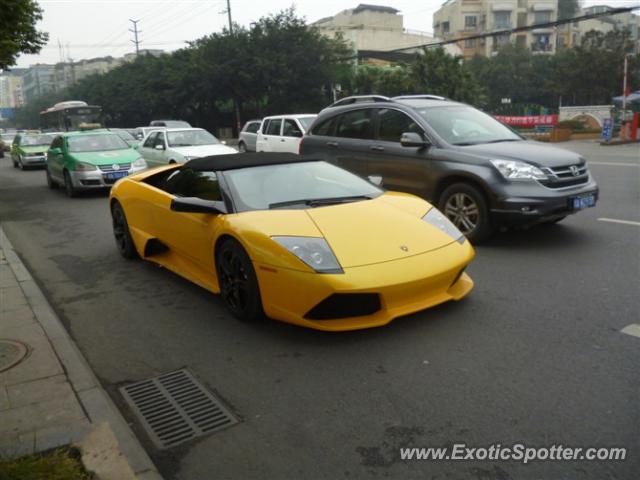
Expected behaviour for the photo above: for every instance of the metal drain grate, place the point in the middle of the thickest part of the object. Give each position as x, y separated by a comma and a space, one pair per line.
175, 408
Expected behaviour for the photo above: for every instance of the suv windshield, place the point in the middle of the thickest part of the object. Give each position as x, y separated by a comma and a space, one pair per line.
96, 143
35, 140
188, 138
462, 125
296, 185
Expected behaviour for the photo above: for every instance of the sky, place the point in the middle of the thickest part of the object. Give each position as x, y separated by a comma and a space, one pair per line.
95, 28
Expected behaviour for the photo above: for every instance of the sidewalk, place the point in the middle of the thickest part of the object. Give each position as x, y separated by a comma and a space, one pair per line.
49, 397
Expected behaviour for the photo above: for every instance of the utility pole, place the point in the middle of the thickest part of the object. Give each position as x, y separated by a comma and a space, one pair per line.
235, 100
135, 35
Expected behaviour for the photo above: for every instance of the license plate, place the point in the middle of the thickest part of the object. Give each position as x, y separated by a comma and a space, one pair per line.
116, 175
585, 201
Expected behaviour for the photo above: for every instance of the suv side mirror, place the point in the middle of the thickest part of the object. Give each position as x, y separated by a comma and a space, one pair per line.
55, 151
197, 205
159, 147
413, 139
375, 180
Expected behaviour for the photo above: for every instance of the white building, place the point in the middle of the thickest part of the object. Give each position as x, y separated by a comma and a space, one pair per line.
610, 23
11, 89
466, 18
376, 32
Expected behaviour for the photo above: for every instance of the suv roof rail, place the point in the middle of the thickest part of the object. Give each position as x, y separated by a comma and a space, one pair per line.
360, 99
424, 96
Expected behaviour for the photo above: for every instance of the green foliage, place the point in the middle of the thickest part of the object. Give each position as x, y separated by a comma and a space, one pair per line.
61, 464
568, 8
18, 33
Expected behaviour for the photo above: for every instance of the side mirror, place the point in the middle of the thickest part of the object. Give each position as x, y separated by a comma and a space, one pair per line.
159, 147
135, 146
197, 205
413, 139
297, 133
55, 151
375, 180
223, 142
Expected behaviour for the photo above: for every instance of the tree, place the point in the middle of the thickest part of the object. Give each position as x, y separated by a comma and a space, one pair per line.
18, 32
568, 8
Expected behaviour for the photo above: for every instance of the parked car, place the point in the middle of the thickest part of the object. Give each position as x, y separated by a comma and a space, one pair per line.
90, 160
170, 124
480, 173
142, 132
248, 136
178, 145
6, 139
29, 149
297, 239
282, 133
125, 135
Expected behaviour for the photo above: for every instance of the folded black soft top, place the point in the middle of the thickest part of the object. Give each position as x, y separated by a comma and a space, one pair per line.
245, 160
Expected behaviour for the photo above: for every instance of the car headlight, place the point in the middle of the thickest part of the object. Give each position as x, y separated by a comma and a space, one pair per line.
436, 219
189, 157
84, 167
313, 251
513, 170
139, 163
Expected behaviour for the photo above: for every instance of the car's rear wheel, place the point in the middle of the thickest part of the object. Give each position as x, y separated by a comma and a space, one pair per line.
121, 232
238, 282
51, 183
466, 207
242, 147
69, 189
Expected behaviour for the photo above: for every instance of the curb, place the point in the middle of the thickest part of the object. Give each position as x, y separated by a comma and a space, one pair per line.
92, 397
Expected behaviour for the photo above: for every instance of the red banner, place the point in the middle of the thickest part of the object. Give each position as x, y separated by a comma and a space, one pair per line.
528, 121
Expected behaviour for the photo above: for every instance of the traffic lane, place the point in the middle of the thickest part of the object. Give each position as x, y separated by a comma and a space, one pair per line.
592, 151
503, 366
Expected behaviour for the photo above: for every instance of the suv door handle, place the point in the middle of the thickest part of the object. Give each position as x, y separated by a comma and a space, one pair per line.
332, 144
377, 148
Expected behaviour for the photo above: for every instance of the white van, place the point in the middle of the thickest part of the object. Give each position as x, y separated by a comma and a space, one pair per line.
282, 133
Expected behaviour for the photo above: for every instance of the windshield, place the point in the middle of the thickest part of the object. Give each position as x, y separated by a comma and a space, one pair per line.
462, 125
307, 121
96, 143
35, 140
293, 184
188, 138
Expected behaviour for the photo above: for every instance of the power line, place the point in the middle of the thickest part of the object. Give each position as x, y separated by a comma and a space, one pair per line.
498, 33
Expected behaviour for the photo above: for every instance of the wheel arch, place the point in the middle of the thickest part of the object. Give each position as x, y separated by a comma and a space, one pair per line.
472, 180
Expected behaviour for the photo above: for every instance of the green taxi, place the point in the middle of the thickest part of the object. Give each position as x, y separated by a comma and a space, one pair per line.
90, 160
28, 149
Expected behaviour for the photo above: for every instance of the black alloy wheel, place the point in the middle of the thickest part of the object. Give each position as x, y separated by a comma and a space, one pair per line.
121, 232
238, 282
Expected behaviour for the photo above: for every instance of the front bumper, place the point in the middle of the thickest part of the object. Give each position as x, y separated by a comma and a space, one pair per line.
33, 160
528, 204
404, 286
96, 179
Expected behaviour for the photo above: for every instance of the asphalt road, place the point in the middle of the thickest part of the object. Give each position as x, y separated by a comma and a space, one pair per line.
534, 355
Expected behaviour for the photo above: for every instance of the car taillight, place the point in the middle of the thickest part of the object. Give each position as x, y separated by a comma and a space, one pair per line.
300, 146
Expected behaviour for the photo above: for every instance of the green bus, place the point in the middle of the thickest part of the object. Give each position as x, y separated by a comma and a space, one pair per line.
70, 116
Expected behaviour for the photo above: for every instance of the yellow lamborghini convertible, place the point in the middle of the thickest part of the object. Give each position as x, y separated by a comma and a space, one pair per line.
293, 238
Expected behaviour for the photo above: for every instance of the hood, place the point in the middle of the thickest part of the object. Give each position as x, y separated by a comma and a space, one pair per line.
204, 150
128, 155
535, 153
375, 231
34, 149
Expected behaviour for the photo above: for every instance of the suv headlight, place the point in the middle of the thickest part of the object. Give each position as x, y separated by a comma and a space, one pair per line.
513, 170
84, 167
313, 251
435, 218
139, 163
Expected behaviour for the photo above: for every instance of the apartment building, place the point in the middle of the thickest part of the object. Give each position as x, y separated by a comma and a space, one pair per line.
608, 23
11, 89
466, 18
376, 32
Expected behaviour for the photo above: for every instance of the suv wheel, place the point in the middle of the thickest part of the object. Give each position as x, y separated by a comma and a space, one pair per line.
466, 207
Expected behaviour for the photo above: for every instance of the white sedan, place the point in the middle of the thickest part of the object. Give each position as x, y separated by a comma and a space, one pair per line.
282, 133
178, 145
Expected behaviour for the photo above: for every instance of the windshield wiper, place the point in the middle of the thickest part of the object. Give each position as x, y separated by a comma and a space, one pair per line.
505, 140
316, 202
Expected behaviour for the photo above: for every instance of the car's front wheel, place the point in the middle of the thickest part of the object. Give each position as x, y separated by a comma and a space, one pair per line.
242, 148
238, 282
69, 189
466, 207
121, 232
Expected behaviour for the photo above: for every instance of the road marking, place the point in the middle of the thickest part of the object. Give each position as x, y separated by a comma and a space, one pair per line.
633, 330
625, 222
615, 164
